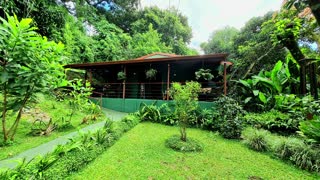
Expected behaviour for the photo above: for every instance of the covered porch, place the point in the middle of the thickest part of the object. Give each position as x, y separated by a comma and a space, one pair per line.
168, 68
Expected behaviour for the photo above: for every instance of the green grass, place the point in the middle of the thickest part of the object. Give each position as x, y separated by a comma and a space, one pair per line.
53, 109
141, 154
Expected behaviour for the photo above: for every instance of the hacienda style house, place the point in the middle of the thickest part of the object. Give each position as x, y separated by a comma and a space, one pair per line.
123, 85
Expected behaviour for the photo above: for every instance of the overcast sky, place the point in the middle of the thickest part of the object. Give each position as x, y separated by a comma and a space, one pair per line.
205, 16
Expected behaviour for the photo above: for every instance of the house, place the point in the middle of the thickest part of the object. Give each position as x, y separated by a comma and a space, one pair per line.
123, 85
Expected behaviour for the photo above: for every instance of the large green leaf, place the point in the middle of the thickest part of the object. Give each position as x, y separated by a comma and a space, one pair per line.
276, 76
262, 98
4, 76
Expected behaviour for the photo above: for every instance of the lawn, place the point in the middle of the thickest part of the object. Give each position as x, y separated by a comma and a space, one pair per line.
52, 108
141, 154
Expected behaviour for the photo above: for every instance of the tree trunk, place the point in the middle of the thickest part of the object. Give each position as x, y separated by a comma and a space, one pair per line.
296, 53
315, 8
12, 131
183, 134
4, 113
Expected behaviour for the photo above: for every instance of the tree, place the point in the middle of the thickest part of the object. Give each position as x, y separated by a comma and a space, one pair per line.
300, 5
221, 41
28, 64
147, 43
254, 48
170, 24
111, 42
285, 31
186, 100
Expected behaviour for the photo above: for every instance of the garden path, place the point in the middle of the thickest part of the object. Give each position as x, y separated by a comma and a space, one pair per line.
50, 146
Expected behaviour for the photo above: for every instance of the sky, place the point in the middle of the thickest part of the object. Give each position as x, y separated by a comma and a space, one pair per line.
205, 16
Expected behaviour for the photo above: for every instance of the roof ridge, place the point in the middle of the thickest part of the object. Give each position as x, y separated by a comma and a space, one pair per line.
157, 53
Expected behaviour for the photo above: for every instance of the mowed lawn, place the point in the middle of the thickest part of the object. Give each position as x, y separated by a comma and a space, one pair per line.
141, 154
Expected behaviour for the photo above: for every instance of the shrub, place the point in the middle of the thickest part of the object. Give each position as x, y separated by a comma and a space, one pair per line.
149, 112
229, 117
307, 158
202, 118
274, 121
131, 120
72, 162
311, 129
185, 100
285, 148
256, 139
190, 145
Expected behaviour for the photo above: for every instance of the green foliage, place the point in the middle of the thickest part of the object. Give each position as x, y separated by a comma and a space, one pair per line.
274, 121
131, 120
186, 100
149, 112
203, 118
73, 156
204, 74
256, 139
110, 42
221, 41
170, 24
305, 106
72, 162
311, 129
290, 149
79, 94
121, 75
190, 145
151, 73
285, 148
228, 119
260, 89
255, 50
29, 64
307, 158
147, 43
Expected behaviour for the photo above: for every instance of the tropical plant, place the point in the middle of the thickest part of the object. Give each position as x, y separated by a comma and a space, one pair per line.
274, 121
79, 94
204, 74
256, 139
286, 147
121, 75
228, 119
149, 112
28, 64
261, 88
311, 129
185, 98
190, 145
151, 73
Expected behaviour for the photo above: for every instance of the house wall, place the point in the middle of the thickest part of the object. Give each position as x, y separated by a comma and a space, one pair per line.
133, 105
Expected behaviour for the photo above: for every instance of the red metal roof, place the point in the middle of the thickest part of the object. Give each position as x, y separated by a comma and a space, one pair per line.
173, 58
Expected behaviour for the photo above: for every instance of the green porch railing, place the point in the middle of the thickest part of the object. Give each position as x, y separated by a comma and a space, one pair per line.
132, 105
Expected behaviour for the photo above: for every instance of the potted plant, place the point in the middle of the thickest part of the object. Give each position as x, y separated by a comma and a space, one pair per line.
204, 74
151, 73
121, 75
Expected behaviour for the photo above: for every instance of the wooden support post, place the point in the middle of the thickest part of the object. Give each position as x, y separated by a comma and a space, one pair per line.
124, 83
86, 76
313, 81
90, 76
303, 82
225, 78
168, 82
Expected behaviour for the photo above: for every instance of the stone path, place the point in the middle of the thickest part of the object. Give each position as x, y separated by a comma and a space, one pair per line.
49, 146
